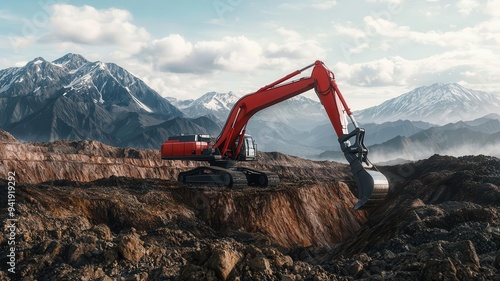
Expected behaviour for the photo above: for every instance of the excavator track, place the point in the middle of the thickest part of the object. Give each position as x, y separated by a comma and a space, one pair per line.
259, 178
213, 175
237, 177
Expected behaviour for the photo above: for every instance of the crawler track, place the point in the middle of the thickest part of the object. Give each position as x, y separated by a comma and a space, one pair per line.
237, 177
259, 178
213, 175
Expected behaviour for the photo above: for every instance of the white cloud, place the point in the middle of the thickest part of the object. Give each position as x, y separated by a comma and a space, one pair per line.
466, 37
317, 4
492, 8
469, 74
184, 86
325, 4
231, 53
382, 72
17, 42
169, 49
453, 66
465, 7
176, 54
87, 25
349, 31
385, 1
294, 47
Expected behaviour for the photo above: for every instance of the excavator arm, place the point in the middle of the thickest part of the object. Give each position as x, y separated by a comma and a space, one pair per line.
372, 185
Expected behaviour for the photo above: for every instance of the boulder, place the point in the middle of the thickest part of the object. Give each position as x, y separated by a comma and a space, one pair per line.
131, 248
222, 261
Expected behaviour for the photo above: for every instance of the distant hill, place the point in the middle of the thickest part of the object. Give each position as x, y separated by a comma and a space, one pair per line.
322, 135
480, 136
437, 104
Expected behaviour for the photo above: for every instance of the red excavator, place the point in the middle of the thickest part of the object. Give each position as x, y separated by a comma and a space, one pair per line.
234, 145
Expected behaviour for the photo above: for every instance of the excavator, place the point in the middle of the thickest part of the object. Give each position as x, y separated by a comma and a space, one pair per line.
233, 144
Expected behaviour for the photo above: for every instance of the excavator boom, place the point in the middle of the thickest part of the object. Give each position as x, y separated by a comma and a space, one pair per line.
372, 185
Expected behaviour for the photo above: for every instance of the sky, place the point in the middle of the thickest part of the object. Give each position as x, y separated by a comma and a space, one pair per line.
378, 49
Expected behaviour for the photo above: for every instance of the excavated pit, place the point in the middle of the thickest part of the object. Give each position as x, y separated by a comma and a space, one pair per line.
88, 211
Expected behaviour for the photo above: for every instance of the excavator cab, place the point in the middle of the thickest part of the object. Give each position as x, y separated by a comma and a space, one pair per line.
248, 151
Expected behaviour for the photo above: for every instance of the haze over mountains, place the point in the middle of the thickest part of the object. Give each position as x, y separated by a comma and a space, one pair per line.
479, 136
72, 98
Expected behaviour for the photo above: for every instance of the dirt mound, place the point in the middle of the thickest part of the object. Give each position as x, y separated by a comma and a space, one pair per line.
6, 137
440, 221
91, 160
94, 148
94, 212
155, 230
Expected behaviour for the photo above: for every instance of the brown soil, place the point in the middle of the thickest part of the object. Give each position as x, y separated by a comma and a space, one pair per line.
87, 211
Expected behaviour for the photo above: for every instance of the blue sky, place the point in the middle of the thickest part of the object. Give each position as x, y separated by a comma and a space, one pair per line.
378, 49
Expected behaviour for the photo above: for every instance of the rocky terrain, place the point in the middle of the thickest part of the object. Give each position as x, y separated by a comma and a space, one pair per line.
88, 211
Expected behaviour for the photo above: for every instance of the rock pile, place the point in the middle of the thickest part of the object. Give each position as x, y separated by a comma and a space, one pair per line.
439, 222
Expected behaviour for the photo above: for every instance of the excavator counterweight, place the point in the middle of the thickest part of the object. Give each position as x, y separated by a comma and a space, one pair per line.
234, 145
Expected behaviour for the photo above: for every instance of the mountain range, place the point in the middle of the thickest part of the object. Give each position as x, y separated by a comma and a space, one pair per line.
212, 103
437, 104
73, 98
299, 111
479, 136
299, 126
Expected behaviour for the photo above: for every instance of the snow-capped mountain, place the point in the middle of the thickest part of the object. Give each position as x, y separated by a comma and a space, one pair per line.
103, 83
298, 112
37, 78
74, 98
438, 104
70, 62
274, 129
211, 103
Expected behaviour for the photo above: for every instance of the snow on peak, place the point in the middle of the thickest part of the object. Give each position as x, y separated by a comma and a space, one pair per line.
136, 100
101, 65
212, 101
37, 60
215, 103
70, 57
437, 103
218, 101
71, 62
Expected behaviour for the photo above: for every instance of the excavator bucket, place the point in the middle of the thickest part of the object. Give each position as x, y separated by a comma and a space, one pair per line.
372, 184
372, 188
